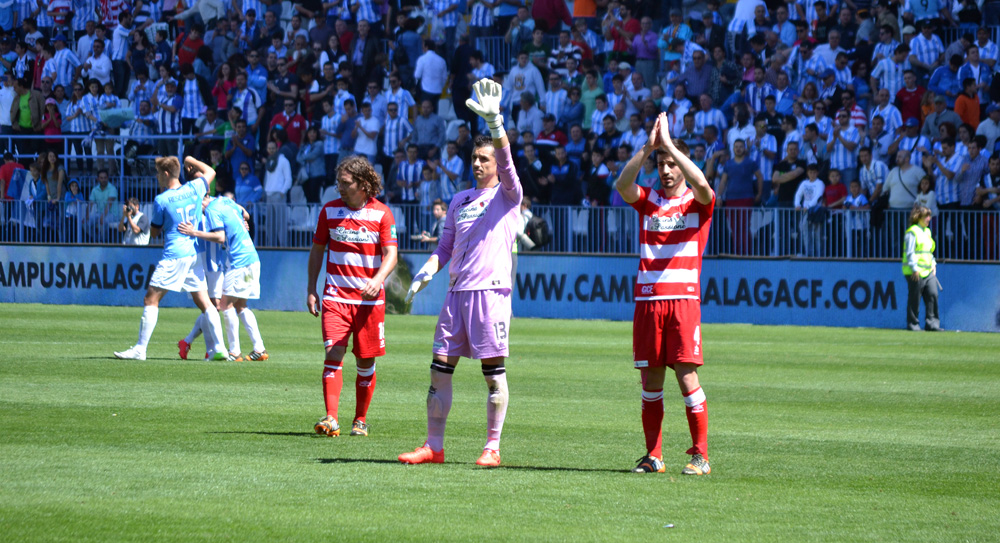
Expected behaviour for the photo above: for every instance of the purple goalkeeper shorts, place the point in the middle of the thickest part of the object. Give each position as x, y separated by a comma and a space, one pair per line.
473, 324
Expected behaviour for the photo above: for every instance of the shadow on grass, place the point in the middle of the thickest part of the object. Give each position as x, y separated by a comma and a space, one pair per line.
148, 359
356, 461
274, 434
515, 468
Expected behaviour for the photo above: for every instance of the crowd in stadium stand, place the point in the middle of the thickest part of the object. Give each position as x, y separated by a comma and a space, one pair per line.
821, 106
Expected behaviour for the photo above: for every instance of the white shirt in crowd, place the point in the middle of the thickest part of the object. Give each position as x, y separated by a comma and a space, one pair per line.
432, 71
280, 180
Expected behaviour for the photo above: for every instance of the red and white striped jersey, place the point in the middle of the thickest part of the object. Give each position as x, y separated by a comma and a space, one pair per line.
354, 240
672, 237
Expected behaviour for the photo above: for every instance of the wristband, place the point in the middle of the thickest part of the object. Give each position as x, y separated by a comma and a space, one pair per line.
496, 127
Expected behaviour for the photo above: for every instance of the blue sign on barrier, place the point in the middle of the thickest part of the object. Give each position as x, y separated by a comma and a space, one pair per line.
50, 274
809, 293
818, 293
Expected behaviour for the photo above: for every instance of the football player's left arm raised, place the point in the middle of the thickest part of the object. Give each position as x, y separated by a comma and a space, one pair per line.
374, 285
487, 105
692, 174
200, 169
625, 184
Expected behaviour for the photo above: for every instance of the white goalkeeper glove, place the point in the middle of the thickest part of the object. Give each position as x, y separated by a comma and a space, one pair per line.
420, 280
487, 105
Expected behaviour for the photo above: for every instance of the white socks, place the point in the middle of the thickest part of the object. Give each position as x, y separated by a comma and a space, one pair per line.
196, 330
249, 321
438, 404
232, 330
496, 404
212, 327
147, 324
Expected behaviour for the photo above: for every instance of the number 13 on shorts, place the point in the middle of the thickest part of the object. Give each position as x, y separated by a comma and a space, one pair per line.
500, 328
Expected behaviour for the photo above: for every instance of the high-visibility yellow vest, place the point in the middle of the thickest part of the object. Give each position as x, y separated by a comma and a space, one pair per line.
924, 250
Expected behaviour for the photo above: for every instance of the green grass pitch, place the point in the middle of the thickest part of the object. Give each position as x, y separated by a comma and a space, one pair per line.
815, 434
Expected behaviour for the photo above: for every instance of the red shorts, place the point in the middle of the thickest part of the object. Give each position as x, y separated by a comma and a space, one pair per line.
665, 332
365, 322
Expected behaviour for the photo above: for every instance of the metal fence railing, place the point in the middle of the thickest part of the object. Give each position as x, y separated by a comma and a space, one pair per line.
745, 232
500, 54
121, 153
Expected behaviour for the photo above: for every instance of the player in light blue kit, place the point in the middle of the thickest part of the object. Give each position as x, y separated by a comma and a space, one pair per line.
225, 223
179, 268
214, 257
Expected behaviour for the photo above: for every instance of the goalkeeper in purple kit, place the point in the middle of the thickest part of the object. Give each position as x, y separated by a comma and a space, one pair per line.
478, 237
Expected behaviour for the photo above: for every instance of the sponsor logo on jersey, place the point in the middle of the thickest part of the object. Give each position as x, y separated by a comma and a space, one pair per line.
392, 232
346, 235
647, 289
667, 223
472, 212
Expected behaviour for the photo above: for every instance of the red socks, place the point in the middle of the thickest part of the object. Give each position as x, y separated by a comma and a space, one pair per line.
652, 421
364, 385
697, 415
333, 381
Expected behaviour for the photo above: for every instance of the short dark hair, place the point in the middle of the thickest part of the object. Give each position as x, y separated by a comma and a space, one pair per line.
482, 140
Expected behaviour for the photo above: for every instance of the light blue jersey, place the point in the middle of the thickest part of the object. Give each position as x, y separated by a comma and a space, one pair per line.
171, 208
224, 214
215, 254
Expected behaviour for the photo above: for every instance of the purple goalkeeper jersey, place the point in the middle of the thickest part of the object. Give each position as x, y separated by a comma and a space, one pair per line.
479, 232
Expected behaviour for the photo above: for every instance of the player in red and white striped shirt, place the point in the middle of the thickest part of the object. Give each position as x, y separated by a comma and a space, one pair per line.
666, 328
356, 235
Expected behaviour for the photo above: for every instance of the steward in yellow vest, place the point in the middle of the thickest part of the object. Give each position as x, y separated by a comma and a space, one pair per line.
919, 267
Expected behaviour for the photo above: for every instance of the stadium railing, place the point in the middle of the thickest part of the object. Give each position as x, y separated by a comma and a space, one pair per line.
743, 232
124, 157
951, 34
499, 53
